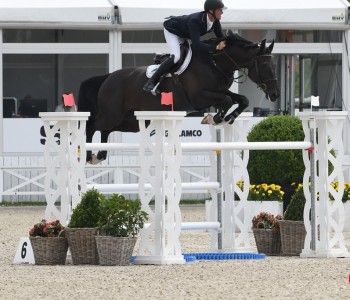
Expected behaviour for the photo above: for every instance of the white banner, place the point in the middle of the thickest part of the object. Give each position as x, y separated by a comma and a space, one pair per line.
28, 135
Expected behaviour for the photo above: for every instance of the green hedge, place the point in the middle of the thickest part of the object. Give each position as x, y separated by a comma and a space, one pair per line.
276, 166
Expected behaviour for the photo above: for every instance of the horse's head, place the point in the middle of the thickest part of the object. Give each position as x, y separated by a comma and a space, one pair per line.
263, 72
257, 59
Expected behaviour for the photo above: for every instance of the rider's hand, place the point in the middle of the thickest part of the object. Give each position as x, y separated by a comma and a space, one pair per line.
221, 45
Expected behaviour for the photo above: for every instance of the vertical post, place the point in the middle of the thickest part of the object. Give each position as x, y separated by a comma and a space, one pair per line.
313, 183
219, 199
65, 156
160, 159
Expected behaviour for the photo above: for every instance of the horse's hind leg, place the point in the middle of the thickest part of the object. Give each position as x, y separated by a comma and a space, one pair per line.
242, 102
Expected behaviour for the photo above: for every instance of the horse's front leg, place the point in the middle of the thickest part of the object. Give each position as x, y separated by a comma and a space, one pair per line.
102, 154
220, 101
242, 102
89, 135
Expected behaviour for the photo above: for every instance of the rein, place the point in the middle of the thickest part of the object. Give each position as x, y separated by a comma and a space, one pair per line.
261, 85
230, 79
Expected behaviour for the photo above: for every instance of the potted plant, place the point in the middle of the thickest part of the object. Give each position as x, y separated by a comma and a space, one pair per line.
266, 232
262, 198
48, 242
119, 225
292, 227
82, 228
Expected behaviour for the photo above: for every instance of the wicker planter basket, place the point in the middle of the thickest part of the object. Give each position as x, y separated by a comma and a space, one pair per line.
293, 235
267, 241
115, 251
82, 245
49, 250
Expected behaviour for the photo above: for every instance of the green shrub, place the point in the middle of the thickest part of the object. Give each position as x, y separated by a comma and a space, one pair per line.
295, 209
87, 213
121, 217
276, 166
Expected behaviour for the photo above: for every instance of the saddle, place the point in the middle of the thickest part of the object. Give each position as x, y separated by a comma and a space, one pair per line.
180, 66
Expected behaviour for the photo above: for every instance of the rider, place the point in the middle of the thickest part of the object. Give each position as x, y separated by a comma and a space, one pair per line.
192, 27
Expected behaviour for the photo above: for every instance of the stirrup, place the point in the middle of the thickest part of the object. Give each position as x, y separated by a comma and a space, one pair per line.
155, 90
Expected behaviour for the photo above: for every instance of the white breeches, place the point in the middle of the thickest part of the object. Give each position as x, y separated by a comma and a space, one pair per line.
173, 42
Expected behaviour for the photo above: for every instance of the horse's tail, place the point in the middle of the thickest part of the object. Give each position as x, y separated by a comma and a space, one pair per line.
88, 91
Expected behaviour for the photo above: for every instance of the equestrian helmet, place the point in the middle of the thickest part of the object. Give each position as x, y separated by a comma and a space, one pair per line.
213, 4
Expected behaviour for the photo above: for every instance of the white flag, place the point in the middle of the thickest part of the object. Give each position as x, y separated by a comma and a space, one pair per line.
315, 101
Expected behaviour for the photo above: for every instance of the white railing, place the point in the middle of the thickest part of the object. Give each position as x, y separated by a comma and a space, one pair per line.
22, 178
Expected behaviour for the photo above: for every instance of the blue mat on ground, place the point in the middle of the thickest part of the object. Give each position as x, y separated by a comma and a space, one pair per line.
192, 257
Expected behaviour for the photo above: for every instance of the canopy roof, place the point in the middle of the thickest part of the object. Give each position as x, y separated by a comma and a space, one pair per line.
151, 13
56, 13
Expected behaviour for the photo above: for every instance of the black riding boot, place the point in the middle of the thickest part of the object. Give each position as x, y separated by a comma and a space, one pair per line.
162, 69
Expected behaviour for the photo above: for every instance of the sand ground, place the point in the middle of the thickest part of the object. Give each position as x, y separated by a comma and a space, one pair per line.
272, 278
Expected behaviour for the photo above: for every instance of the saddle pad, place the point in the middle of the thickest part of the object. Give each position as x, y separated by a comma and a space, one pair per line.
152, 68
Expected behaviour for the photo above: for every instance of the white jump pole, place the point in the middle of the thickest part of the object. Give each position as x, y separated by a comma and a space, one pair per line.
133, 188
213, 146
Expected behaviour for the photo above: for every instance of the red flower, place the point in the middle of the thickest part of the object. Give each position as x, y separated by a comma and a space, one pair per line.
46, 229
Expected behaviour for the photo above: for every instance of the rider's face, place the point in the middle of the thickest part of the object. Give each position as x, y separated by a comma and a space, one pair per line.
218, 13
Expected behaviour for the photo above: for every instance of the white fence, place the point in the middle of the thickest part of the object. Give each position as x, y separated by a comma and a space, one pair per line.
22, 178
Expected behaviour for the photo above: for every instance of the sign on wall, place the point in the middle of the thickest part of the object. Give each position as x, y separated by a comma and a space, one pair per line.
28, 135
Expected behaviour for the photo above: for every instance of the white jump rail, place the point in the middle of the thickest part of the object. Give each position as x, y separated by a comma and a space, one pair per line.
133, 188
189, 187
196, 225
205, 146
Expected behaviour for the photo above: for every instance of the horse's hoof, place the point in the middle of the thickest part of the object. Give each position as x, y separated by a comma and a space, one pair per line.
217, 119
95, 160
208, 119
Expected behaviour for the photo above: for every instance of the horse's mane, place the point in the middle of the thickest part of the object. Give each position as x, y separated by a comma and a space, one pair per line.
239, 41
233, 39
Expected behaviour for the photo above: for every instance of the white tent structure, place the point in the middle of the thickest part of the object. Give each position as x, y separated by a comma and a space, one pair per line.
274, 14
49, 47
241, 13
55, 13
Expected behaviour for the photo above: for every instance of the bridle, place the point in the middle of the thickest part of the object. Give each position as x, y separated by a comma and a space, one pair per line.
261, 84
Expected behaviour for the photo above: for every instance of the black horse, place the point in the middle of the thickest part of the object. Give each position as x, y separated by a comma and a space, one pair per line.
205, 83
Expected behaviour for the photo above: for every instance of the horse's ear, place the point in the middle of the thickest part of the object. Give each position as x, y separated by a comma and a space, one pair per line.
271, 46
229, 32
263, 45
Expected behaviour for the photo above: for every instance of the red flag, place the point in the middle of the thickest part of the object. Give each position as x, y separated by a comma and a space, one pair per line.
167, 99
68, 100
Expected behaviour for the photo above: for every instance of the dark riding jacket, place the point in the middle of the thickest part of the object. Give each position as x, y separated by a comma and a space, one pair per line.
192, 27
